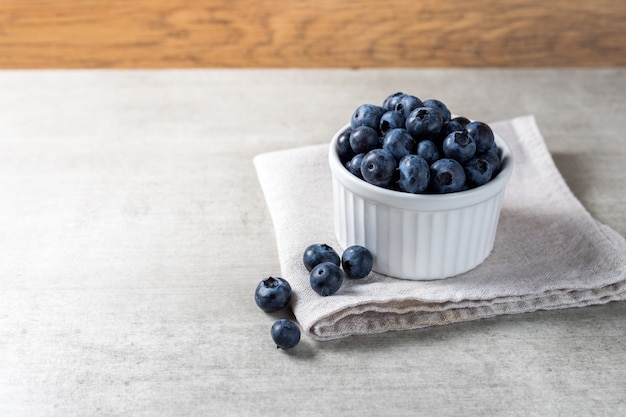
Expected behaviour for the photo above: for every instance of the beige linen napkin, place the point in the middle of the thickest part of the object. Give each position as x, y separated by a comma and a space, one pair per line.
549, 252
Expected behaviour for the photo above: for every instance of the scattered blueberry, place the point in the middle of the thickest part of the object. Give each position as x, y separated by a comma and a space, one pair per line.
459, 146
367, 115
357, 262
378, 167
272, 294
326, 278
285, 333
414, 174
391, 120
317, 253
399, 143
364, 139
447, 176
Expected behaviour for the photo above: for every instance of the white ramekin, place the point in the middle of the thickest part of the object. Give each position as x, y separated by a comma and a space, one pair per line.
418, 236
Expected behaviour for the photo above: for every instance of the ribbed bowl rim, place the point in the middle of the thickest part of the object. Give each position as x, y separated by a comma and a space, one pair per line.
422, 202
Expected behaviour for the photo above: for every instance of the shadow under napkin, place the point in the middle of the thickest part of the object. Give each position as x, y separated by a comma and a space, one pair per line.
549, 252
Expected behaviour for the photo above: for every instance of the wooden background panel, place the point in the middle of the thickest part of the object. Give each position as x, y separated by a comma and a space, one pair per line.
305, 33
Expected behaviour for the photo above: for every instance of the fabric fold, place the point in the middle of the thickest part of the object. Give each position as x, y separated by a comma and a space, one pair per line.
549, 253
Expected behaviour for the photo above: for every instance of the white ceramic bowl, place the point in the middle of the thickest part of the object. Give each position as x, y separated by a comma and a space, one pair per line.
418, 236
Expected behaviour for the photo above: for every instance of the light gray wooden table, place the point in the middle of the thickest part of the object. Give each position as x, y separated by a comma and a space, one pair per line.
133, 232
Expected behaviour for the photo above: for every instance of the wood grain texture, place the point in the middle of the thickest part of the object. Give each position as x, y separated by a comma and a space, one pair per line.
299, 33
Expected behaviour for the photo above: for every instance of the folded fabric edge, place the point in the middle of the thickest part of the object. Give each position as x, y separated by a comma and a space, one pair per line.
375, 319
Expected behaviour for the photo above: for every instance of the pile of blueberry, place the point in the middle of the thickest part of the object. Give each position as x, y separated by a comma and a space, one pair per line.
326, 273
416, 146
325, 266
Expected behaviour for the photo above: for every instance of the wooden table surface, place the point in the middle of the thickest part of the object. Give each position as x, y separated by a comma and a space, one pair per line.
305, 34
133, 232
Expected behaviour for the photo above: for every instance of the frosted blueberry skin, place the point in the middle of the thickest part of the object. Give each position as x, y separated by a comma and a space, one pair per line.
428, 150
317, 253
354, 165
440, 107
285, 333
363, 139
482, 134
414, 174
272, 294
344, 150
459, 146
357, 262
447, 176
407, 104
478, 170
391, 120
494, 159
399, 143
367, 115
424, 123
447, 128
326, 278
392, 101
378, 167
461, 120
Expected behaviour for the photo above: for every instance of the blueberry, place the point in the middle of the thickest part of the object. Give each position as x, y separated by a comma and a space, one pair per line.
357, 262
414, 174
482, 134
378, 167
463, 121
392, 101
447, 176
451, 126
354, 165
344, 150
391, 120
285, 333
428, 150
459, 146
317, 253
326, 278
399, 143
363, 139
367, 115
441, 108
494, 148
407, 104
478, 170
424, 123
272, 294
494, 160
